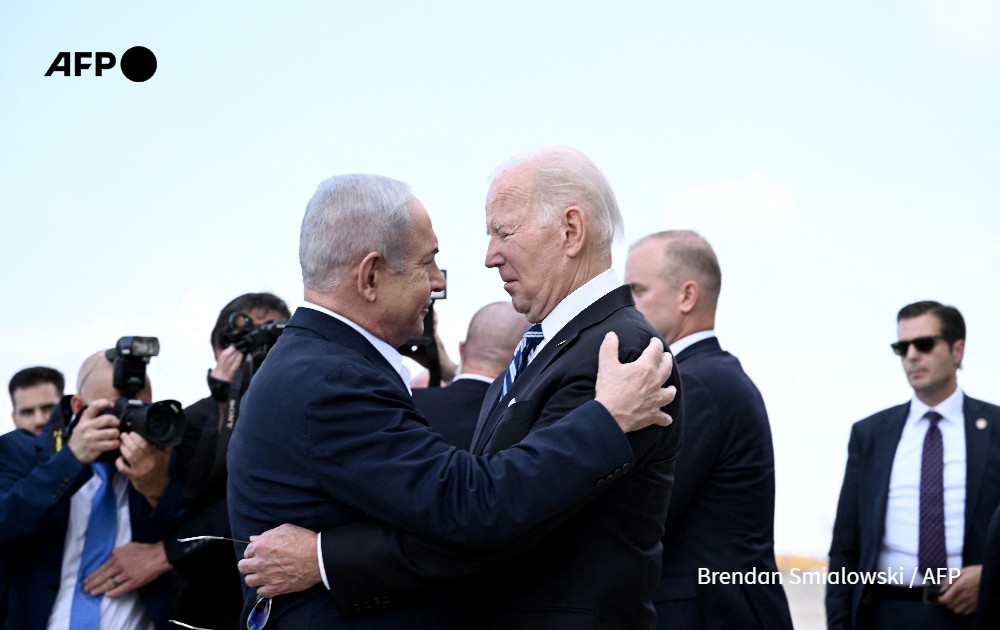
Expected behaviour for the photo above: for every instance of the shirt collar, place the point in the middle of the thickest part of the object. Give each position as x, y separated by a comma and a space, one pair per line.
574, 303
388, 352
684, 343
950, 408
473, 377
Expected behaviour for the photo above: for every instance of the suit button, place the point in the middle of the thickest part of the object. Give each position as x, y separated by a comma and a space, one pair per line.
386, 600
618, 472
357, 607
601, 482
625, 467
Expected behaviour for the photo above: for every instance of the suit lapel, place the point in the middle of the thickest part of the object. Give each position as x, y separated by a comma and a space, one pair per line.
493, 409
336, 331
977, 444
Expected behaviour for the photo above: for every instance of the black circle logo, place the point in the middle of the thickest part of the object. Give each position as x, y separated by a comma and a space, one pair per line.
138, 64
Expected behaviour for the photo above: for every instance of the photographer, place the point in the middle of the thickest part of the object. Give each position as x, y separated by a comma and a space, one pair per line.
206, 586
65, 504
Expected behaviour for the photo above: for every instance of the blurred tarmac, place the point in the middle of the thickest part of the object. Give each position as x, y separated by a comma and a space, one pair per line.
806, 604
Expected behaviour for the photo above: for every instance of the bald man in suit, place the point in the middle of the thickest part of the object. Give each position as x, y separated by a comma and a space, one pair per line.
722, 511
453, 411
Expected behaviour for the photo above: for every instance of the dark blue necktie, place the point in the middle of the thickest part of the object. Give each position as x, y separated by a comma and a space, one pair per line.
932, 553
529, 342
85, 613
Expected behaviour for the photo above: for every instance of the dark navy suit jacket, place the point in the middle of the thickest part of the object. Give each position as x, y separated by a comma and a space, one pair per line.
328, 435
722, 508
453, 411
860, 523
988, 607
595, 566
36, 485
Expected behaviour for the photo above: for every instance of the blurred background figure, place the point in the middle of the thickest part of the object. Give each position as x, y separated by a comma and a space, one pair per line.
206, 585
453, 411
918, 492
34, 393
722, 510
74, 503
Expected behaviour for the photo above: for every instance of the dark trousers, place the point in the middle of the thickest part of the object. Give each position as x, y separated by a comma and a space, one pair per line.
889, 614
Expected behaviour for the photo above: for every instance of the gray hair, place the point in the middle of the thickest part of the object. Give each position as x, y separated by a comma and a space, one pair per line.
566, 177
349, 217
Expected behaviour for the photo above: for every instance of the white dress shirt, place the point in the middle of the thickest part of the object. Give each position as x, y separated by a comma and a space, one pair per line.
574, 304
684, 343
125, 612
902, 516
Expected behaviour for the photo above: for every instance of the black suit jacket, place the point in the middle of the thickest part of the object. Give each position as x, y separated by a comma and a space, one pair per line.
594, 566
453, 411
36, 485
722, 508
860, 522
328, 435
988, 607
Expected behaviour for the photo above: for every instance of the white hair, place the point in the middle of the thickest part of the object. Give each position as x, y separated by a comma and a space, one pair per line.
348, 217
565, 177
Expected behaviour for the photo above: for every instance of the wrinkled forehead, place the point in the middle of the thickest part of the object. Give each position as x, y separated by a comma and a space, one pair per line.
512, 188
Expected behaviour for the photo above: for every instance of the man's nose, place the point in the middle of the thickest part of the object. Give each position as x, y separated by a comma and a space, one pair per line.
438, 280
493, 258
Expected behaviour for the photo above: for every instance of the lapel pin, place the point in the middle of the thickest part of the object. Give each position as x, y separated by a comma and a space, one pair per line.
981, 424
562, 342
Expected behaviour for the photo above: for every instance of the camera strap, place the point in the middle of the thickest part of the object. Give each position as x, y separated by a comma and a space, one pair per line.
236, 389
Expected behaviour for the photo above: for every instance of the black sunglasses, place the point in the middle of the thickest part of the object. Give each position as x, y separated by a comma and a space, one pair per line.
922, 344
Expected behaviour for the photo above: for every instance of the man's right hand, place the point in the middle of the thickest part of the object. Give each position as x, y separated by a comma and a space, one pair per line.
229, 362
95, 432
281, 560
633, 392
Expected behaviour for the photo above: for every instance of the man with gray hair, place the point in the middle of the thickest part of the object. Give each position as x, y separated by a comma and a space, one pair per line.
329, 436
551, 217
722, 509
453, 411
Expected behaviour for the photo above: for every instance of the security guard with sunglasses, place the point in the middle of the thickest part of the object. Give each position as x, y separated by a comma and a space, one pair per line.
922, 481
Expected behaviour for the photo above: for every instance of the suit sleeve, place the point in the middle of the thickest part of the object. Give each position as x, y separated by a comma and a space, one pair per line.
371, 561
29, 491
381, 456
845, 549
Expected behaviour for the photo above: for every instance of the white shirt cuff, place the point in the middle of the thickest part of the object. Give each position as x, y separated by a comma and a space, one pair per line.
319, 554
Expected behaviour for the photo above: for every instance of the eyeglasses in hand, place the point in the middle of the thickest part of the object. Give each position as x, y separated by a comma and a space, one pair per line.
260, 612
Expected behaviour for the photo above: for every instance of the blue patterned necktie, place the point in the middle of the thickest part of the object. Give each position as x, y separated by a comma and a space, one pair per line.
85, 612
932, 553
529, 342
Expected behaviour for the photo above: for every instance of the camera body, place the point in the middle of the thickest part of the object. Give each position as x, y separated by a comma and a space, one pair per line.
161, 423
253, 340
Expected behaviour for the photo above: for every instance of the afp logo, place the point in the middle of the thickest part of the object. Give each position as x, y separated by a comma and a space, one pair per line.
138, 63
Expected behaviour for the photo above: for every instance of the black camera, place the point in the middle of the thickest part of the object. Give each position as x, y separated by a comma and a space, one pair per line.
252, 340
161, 423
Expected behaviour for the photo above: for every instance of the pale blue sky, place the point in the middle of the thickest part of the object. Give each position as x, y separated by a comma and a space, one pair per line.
841, 157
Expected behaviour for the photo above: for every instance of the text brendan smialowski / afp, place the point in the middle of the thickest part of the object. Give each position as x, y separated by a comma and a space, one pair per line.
892, 577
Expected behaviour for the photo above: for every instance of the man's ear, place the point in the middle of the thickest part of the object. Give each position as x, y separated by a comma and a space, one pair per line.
573, 229
958, 352
77, 404
369, 274
690, 293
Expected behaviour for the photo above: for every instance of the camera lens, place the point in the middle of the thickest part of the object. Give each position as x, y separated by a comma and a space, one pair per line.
162, 423
159, 422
